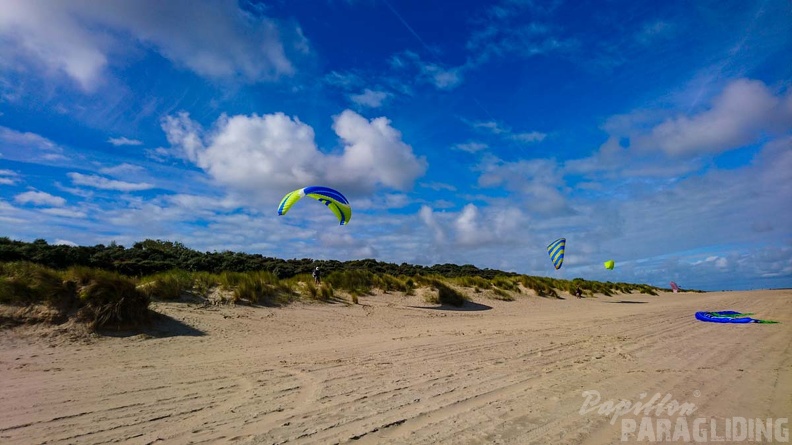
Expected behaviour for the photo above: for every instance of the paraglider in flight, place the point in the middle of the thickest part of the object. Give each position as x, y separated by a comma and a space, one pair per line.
609, 264
333, 199
674, 287
556, 252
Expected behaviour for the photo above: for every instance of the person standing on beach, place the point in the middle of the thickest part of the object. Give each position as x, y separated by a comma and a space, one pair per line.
317, 276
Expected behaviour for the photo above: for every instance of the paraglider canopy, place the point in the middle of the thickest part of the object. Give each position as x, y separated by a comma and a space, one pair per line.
333, 199
609, 264
556, 252
674, 287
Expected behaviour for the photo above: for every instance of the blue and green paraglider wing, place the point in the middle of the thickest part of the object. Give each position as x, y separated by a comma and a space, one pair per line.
730, 317
556, 252
333, 199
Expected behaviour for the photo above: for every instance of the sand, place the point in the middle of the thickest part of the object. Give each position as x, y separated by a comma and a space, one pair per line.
395, 369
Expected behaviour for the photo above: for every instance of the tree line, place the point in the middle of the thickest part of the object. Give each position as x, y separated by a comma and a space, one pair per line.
152, 256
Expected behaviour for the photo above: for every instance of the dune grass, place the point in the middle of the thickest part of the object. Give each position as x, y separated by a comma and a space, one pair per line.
100, 298
103, 299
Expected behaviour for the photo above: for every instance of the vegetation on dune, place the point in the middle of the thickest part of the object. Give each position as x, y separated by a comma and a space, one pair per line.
112, 286
100, 298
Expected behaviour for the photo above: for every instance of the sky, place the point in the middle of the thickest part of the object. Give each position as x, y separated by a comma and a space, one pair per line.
656, 134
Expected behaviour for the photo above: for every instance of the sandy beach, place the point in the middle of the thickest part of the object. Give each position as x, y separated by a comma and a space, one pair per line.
395, 369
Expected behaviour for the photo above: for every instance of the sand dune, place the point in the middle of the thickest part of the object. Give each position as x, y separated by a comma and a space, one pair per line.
394, 369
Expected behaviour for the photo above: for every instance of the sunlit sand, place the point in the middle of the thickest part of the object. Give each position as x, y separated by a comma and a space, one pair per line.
395, 369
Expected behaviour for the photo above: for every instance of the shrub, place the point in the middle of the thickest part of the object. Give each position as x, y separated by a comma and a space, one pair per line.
446, 295
107, 298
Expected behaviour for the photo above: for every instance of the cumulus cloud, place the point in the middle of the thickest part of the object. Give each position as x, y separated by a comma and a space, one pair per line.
375, 153
276, 152
100, 182
214, 39
474, 227
427, 216
39, 198
124, 141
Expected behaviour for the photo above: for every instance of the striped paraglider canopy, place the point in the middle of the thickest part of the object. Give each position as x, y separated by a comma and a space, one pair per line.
556, 252
333, 199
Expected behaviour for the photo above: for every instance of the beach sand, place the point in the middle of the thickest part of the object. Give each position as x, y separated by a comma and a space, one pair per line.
395, 369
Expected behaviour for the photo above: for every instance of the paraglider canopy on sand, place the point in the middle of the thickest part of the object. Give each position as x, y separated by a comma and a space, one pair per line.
333, 199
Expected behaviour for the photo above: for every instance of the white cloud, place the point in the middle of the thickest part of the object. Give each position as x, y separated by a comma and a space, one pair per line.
274, 153
744, 111
533, 136
471, 147
643, 143
538, 183
68, 213
107, 184
63, 242
29, 147
374, 153
8, 177
469, 227
427, 216
39, 198
124, 141
370, 98
486, 229
214, 39
122, 169
439, 186
506, 132
490, 126
27, 140
441, 77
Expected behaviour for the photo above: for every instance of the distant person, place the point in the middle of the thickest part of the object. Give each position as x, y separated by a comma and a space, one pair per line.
578, 293
317, 276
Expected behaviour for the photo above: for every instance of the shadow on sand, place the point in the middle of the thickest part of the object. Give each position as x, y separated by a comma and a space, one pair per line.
469, 306
627, 301
160, 326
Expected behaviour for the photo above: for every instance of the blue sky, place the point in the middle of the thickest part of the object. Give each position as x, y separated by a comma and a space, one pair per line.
658, 134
